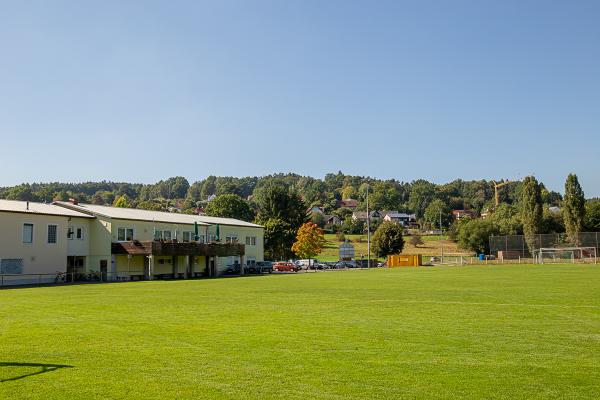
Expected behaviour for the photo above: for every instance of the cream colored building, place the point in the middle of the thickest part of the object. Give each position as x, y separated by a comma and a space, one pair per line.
36, 241
122, 243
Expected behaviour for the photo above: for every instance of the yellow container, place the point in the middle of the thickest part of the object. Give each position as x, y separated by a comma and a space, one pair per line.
404, 260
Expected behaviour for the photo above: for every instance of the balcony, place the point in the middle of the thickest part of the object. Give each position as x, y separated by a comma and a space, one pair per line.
163, 248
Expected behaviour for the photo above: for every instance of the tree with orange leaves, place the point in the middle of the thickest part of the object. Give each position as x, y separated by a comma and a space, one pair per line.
309, 241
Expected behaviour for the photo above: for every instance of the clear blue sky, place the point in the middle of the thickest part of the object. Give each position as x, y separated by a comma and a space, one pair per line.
143, 90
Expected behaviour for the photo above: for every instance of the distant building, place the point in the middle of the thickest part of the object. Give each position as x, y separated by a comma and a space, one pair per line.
459, 214
402, 218
333, 220
316, 209
347, 203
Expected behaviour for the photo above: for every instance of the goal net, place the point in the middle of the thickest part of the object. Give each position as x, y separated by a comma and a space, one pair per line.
562, 255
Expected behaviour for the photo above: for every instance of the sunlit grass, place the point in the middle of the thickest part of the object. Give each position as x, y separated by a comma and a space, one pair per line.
502, 332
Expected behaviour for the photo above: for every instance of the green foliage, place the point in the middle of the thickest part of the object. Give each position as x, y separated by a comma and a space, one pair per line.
552, 221
279, 237
230, 206
387, 239
436, 209
573, 208
421, 194
318, 219
531, 210
592, 216
149, 205
475, 235
122, 202
507, 220
350, 226
416, 240
278, 202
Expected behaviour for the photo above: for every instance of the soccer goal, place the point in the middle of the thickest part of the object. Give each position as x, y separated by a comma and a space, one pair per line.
562, 255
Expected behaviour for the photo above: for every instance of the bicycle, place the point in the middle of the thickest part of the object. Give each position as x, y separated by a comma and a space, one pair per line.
60, 277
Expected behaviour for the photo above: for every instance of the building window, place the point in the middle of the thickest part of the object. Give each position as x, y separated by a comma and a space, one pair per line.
70, 233
250, 240
188, 236
157, 235
27, 233
52, 234
11, 266
167, 235
79, 233
125, 234
231, 239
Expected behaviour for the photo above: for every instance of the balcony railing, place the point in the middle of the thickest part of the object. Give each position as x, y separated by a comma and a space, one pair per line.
173, 248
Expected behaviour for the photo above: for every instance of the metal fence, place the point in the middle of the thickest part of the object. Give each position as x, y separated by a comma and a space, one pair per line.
515, 246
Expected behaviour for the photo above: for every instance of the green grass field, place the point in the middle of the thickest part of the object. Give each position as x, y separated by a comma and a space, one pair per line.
502, 332
431, 246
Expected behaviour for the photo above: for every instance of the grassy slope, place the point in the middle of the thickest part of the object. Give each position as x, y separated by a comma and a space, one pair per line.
430, 247
499, 332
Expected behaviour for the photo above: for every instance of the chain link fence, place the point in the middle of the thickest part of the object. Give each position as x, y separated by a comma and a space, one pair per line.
515, 246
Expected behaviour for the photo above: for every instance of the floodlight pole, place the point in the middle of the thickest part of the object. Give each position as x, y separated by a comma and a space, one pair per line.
441, 243
368, 231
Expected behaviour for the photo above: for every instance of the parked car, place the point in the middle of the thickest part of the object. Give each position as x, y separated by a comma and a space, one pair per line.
345, 264
262, 267
285, 266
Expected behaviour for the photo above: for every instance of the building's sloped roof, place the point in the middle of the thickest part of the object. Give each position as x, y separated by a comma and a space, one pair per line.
153, 216
39, 208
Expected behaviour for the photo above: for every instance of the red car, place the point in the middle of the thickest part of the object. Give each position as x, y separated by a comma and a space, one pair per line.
284, 266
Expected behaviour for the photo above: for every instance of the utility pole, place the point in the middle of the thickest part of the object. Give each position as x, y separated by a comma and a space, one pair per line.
441, 232
368, 231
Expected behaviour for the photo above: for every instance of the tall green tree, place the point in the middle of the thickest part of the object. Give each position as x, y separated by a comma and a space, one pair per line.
387, 239
230, 206
277, 201
282, 212
421, 194
475, 235
506, 218
279, 237
435, 210
531, 210
573, 208
592, 216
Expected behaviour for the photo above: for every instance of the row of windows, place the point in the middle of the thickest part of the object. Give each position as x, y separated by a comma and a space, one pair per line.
77, 233
127, 234
52, 232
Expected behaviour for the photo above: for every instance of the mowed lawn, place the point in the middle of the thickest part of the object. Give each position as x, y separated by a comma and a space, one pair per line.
501, 332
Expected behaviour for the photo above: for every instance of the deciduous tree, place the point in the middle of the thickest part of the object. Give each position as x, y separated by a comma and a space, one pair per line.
309, 241
230, 206
573, 208
122, 202
531, 210
475, 235
387, 239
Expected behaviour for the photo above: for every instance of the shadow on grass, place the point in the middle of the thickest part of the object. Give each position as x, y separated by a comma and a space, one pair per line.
40, 369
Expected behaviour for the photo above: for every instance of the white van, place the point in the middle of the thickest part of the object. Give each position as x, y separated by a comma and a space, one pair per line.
306, 263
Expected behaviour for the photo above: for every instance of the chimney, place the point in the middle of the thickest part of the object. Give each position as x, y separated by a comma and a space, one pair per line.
73, 201
27, 206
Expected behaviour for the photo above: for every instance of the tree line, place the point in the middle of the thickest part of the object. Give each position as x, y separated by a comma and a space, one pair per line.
280, 202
